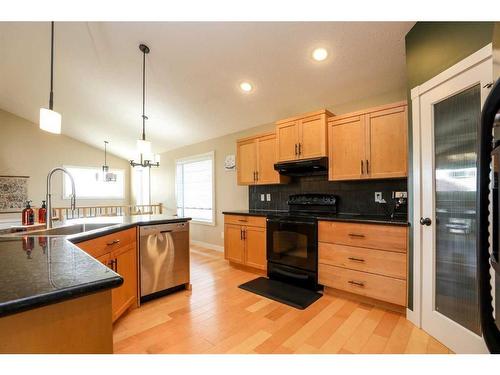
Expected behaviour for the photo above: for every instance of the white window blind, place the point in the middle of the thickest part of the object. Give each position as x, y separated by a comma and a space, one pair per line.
194, 187
89, 183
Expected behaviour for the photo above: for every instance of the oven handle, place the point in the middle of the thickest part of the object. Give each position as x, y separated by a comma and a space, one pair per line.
291, 222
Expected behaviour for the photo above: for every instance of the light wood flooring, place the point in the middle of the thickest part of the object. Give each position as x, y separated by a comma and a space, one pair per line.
218, 317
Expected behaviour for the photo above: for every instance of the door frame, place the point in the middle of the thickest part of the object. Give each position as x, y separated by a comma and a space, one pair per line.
482, 55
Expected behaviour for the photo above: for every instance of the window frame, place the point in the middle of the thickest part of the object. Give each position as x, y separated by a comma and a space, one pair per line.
65, 194
191, 159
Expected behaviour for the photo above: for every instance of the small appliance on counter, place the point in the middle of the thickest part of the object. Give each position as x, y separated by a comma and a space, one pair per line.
28, 215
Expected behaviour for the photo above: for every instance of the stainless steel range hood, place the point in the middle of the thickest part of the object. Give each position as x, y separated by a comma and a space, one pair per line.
308, 167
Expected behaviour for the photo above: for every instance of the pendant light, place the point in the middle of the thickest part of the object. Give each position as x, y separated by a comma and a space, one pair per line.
144, 146
106, 175
50, 120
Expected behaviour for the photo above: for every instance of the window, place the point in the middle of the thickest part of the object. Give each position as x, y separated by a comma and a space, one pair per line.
90, 185
194, 187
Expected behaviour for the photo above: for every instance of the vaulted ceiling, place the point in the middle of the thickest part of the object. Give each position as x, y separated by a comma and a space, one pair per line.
193, 75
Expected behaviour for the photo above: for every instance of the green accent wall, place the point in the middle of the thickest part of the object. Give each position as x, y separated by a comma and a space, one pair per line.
431, 48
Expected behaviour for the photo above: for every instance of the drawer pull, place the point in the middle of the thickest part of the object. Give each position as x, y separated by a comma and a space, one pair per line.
243, 220
356, 283
113, 242
356, 235
356, 259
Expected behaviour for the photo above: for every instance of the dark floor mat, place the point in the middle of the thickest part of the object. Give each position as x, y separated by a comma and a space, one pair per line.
282, 292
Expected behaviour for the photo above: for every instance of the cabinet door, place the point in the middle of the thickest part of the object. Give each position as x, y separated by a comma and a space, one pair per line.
346, 143
255, 242
234, 244
247, 162
287, 135
105, 259
313, 137
387, 145
125, 264
266, 160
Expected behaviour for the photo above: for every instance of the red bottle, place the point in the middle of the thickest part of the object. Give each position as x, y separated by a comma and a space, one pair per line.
28, 215
42, 213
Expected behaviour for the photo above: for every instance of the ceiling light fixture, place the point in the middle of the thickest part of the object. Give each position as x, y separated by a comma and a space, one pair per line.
320, 54
246, 86
50, 120
106, 175
144, 146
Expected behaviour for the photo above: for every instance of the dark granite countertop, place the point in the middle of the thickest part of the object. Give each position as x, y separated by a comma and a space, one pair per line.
358, 218
41, 270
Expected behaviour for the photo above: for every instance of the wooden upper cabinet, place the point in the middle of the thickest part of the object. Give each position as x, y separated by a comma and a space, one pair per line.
369, 144
303, 137
347, 148
247, 162
388, 143
256, 157
288, 140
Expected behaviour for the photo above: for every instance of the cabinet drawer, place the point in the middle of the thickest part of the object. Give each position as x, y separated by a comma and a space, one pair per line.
110, 242
374, 236
366, 284
384, 263
254, 221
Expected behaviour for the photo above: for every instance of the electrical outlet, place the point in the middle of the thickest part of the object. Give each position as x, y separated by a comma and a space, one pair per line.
262, 197
379, 198
268, 197
399, 194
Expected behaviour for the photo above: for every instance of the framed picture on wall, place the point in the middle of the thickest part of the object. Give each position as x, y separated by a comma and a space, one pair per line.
230, 163
13, 193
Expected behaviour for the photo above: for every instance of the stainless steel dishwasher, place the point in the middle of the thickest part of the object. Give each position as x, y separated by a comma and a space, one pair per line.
164, 259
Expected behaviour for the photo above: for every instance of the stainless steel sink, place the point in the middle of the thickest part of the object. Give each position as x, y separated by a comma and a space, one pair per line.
66, 230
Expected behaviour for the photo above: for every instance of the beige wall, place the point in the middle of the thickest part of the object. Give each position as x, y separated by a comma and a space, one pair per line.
228, 195
28, 151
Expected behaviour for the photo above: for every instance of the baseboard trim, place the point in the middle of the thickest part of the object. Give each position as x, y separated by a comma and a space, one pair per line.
208, 245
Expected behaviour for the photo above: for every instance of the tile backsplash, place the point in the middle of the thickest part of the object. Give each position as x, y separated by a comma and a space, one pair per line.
353, 196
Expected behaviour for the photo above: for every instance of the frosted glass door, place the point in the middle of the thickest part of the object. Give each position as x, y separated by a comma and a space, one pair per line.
449, 119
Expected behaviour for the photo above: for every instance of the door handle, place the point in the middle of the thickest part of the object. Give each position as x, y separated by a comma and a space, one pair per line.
356, 283
367, 167
113, 242
425, 221
256, 175
300, 148
356, 235
362, 171
356, 259
296, 152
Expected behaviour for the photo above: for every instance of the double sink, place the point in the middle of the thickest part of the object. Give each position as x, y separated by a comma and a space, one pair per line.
62, 231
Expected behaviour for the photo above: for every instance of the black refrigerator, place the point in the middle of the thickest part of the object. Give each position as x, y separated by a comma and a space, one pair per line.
488, 180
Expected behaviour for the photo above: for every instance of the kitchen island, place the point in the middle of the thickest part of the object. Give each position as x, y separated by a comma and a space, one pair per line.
56, 297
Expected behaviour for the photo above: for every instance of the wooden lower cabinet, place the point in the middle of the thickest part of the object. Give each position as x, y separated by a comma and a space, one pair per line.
245, 244
365, 259
118, 251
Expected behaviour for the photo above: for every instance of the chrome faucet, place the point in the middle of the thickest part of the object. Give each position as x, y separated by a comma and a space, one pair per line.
49, 195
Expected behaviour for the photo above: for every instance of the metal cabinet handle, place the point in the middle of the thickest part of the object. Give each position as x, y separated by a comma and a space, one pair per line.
241, 234
367, 167
116, 264
244, 234
296, 152
111, 264
300, 148
356, 259
113, 242
356, 283
243, 220
362, 171
357, 235
256, 175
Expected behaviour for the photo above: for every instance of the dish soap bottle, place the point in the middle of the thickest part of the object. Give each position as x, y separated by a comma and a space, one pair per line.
28, 215
42, 213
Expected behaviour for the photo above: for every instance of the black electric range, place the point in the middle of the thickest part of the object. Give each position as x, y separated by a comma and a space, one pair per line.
292, 239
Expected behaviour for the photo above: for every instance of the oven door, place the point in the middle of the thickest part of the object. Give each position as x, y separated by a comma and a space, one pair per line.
293, 243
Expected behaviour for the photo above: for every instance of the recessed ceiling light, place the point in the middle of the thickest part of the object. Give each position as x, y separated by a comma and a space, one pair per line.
246, 86
320, 54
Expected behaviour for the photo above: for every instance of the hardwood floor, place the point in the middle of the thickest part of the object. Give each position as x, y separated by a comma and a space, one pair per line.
218, 317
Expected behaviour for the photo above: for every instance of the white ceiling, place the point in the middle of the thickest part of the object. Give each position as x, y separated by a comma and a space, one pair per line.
193, 72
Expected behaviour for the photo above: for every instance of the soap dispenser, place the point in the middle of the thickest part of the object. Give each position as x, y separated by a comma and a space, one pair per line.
42, 213
28, 215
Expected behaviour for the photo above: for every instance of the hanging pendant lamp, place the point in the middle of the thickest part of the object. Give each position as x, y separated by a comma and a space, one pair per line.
106, 175
144, 146
50, 120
